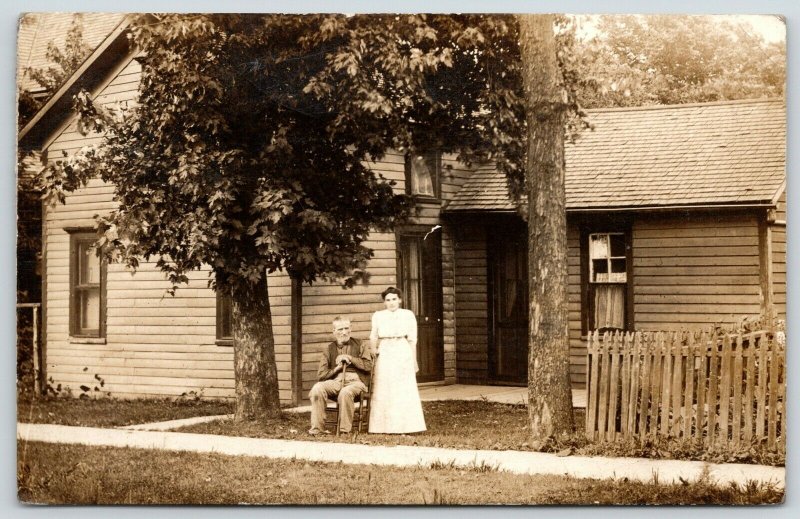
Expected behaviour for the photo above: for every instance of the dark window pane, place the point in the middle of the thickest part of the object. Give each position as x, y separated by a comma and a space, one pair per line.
431, 274
224, 317
510, 302
411, 274
617, 244
617, 265
599, 266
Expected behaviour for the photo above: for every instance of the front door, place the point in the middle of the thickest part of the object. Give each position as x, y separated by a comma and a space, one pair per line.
508, 352
420, 279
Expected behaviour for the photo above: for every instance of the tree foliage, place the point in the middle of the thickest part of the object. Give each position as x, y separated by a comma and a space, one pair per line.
248, 148
63, 62
635, 60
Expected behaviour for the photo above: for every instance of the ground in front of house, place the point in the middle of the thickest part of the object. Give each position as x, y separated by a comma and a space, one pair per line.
74, 474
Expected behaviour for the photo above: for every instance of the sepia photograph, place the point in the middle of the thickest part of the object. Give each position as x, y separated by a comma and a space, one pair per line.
401, 259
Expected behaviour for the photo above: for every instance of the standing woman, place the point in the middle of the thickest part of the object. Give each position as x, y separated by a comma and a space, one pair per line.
395, 405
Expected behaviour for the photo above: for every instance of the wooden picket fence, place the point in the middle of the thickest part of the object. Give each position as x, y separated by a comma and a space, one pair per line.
715, 388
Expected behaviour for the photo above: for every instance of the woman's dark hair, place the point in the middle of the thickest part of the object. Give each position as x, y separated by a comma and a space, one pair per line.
391, 290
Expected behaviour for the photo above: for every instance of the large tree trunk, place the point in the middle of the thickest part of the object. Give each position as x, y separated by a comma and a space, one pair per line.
549, 392
254, 354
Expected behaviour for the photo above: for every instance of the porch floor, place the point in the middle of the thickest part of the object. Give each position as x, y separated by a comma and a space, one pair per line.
502, 394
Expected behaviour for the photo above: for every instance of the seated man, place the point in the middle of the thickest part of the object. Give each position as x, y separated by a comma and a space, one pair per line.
345, 350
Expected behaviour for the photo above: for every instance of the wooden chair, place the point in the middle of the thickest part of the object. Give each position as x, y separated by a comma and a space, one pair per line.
361, 414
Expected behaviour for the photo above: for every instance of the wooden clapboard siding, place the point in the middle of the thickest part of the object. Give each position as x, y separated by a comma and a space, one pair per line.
577, 344
454, 174
449, 305
693, 272
156, 344
280, 301
471, 303
121, 89
778, 236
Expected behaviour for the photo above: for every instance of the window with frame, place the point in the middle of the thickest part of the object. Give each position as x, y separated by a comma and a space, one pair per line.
608, 281
224, 320
87, 287
422, 174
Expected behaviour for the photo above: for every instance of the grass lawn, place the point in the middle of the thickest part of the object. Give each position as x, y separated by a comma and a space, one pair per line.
453, 424
67, 474
106, 412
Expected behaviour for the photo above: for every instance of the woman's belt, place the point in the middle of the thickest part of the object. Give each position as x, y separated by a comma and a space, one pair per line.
395, 337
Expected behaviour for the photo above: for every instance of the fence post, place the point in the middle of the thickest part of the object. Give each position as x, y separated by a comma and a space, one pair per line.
36, 368
677, 386
702, 387
627, 351
657, 379
633, 395
602, 406
749, 390
644, 405
613, 390
591, 410
737, 380
762, 387
688, 397
666, 382
782, 392
725, 388
35, 347
774, 370
713, 380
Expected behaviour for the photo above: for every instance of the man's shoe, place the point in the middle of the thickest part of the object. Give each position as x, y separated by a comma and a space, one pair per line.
315, 432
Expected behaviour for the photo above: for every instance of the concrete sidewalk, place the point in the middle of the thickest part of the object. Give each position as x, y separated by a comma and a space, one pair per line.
517, 462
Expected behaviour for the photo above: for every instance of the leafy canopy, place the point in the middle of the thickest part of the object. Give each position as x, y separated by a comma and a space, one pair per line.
249, 144
636, 60
63, 62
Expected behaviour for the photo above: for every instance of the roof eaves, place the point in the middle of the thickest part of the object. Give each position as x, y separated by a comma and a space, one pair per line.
686, 105
779, 192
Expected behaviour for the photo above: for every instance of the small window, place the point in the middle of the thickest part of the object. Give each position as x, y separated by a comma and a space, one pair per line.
608, 281
87, 287
422, 174
224, 320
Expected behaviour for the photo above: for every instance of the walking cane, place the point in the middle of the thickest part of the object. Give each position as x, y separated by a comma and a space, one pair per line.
339, 407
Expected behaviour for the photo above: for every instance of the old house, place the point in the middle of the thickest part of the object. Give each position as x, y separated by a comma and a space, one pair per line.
676, 219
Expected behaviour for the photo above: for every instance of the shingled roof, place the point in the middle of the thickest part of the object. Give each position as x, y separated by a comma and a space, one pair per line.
726, 153
37, 30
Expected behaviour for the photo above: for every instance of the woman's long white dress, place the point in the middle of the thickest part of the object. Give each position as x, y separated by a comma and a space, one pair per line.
395, 407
